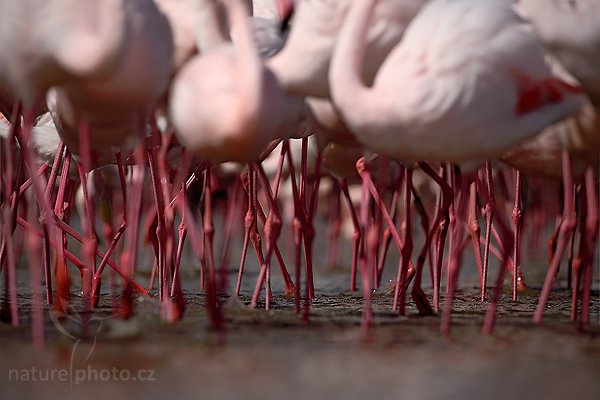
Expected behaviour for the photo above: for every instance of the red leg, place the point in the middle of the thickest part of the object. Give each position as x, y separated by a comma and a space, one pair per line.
46, 221
490, 206
417, 294
272, 230
333, 231
117, 236
442, 230
129, 255
232, 216
591, 226
9, 311
406, 250
439, 225
490, 315
517, 217
209, 232
34, 251
58, 158
566, 230
454, 261
289, 285
576, 267
59, 210
368, 183
297, 229
356, 237
309, 231
365, 274
387, 236
287, 280
249, 223
473, 226
182, 233
195, 239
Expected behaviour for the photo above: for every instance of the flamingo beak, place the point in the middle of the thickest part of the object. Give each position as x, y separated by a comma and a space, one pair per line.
285, 8
286, 11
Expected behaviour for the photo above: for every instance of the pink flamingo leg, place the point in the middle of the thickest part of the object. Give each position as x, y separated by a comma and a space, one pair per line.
182, 230
365, 274
129, 255
34, 249
10, 311
59, 211
577, 272
38, 186
552, 242
307, 228
451, 225
117, 236
504, 237
334, 229
566, 230
442, 230
474, 231
209, 233
490, 315
374, 230
195, 239
287, 279
356, 237
570, 256
591, 226
160, 225
232, 215
90, 244
517, 218
249, 223
417, 293
406, 249
272, 230
370, 186
168, 212
182, 233
58, 158
439, 225
387, 236
490, 206
289, 284
297, 225
454, 261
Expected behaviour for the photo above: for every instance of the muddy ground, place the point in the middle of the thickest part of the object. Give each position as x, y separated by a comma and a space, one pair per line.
278, 355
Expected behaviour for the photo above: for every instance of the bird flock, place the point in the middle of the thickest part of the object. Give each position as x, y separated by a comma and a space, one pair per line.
121, 121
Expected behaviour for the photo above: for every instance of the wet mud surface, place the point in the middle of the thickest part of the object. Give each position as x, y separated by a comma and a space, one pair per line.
277, 354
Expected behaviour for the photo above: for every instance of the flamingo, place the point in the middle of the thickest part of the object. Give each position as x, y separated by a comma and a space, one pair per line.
48, 43
446, 99
45, 44
428, 120
303, 63
570, 32
112, 105
258, 110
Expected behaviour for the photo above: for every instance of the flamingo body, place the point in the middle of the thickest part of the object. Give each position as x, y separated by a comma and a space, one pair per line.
451, 90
